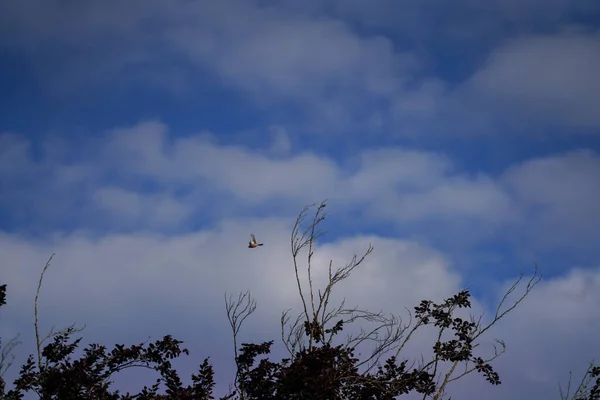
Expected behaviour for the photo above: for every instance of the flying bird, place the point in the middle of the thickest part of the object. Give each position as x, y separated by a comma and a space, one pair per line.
253, 243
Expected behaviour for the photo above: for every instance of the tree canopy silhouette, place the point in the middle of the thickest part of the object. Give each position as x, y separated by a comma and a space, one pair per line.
321, 363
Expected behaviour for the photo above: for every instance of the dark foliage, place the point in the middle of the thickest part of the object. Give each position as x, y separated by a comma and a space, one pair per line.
2, 295
589, 390
329, 372
89, 377
323, 372
595, 391
317, 368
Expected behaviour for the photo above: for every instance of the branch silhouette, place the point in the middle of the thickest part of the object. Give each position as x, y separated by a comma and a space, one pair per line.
333, 350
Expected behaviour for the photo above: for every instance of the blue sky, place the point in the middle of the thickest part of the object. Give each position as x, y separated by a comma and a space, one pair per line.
462, 139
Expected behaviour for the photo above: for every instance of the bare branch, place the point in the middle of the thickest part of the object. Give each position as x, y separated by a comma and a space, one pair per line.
313, 235
478, 330
324, 322
39, 342
298, 242
565, 396
237, 312
293, 340
7, 354
37, 330
385, 334
533, 281
583, 389
408, 337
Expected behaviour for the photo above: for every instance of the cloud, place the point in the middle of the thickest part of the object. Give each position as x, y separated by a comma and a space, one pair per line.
557, 194
297, 57
406, 185
332, 76
424, 183
144, 151
144, 176
132, 207
318, 65
332, 66
550, 78
460, 22
144, 169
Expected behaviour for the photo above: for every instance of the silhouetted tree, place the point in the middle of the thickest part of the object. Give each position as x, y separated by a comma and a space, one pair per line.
321, 367
56, 375
320, 363
588, 389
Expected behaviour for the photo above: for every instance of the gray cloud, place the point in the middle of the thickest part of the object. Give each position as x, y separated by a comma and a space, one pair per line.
559, 196
549, 78
132, 207
107, 282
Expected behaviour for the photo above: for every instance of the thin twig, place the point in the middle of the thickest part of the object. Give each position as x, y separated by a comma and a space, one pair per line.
37, 330
7, 355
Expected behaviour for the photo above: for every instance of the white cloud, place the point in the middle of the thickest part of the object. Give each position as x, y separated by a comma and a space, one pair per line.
402, 184
276, 56
293, 57
146, 152
103, 282
130, 207
400, 272
149, 178
408, 185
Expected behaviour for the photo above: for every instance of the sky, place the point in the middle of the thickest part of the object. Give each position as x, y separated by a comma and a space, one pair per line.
143, 141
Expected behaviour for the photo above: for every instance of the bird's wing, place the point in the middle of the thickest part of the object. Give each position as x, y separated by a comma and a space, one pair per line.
252, 239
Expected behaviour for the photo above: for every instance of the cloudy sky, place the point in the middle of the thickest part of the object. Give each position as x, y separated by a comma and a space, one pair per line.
142, 142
